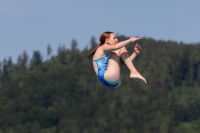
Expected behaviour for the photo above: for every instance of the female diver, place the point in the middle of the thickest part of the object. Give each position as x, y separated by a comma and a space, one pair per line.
108, 58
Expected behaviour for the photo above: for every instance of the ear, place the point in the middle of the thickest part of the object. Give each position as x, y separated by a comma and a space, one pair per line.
107, 41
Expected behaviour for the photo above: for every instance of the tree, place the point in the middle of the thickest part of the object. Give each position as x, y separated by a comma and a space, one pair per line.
22, 62
93, 43
64, 95
74, 45
49, 50
5, 76
36, 59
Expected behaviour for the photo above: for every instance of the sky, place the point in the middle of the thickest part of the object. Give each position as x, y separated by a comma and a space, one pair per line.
33, 25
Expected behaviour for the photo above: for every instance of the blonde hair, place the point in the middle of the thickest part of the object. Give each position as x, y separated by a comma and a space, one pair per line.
102, 40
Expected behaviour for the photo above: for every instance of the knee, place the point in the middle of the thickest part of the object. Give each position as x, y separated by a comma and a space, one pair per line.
122, 50
117, 52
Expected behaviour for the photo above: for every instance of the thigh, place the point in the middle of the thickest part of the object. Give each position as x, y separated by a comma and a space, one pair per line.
113, 72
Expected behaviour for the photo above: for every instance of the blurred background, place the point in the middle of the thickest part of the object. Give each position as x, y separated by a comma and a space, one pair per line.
32, 25
47, 83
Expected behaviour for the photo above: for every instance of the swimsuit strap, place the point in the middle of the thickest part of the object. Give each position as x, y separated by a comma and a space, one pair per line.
102, 57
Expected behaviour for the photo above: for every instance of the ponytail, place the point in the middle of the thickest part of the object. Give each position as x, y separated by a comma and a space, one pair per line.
102, 39
93, 51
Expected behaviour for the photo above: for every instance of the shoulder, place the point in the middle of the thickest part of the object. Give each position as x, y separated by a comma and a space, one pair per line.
99, 53
108, 48
104, 46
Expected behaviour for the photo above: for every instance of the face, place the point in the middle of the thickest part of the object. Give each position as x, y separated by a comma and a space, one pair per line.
112, 40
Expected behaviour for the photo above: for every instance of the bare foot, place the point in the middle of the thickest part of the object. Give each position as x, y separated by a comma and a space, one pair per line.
139, 78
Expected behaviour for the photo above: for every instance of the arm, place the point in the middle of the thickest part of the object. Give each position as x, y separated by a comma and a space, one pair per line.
132, 57
107, 47
137, 50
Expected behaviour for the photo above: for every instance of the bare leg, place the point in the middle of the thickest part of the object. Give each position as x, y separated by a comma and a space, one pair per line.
129, 64
113, 72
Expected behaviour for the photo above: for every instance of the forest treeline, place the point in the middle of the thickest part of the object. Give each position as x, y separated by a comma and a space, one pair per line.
62, 94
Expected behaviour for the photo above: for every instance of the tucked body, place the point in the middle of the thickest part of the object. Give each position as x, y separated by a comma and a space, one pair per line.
108, 58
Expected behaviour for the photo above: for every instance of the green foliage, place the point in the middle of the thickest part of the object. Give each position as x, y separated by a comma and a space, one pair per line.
62, 94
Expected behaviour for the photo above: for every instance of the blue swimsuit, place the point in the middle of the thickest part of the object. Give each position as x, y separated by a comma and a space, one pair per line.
102, 64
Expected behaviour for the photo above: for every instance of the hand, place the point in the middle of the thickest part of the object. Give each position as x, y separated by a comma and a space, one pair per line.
133, 39
137, 48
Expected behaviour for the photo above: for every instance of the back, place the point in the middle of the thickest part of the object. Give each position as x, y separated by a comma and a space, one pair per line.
101, 64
